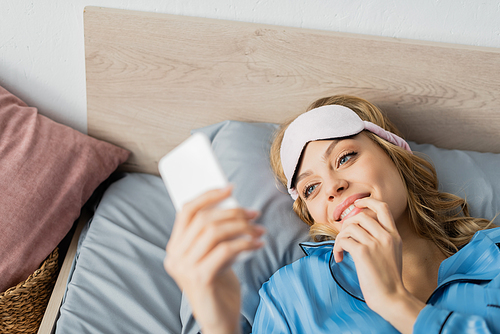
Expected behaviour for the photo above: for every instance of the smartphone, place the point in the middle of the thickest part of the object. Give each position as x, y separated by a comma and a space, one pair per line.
191, 169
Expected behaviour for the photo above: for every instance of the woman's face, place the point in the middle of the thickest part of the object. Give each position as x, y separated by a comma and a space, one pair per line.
335, 173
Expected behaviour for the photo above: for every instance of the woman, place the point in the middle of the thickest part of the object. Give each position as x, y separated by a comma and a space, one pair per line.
406, 257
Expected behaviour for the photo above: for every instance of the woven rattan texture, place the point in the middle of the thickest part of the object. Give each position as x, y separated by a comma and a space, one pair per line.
22, 307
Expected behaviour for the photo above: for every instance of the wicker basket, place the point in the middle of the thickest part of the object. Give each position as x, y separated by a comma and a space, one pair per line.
22, 307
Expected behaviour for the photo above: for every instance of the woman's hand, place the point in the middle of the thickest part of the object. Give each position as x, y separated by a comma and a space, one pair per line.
372, 239
204, 243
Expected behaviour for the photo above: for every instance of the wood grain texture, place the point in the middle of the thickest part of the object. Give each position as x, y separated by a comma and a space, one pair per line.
151, 78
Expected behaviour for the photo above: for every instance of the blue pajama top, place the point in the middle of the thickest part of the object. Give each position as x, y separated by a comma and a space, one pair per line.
317, 295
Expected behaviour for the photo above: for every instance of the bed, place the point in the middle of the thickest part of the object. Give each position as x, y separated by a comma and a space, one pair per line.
153, 78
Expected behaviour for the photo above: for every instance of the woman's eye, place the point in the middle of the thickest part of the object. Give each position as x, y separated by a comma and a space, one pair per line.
309, 190
346, 157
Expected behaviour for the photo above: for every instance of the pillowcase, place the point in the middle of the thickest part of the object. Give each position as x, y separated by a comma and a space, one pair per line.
119, 284
47, 172
474, 176
243, 151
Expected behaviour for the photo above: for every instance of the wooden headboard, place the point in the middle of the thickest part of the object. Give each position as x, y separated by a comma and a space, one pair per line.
151, 78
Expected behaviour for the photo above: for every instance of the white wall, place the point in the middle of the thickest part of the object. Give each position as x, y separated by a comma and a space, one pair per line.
42, 45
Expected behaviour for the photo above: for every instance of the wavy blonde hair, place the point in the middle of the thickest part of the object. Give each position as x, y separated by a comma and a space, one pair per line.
438, 216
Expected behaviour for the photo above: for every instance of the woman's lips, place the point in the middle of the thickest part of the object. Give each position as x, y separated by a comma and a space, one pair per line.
351, 213
347, 209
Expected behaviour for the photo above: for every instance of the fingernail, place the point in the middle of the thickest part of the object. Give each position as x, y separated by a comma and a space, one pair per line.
258, 242
260, 229
251, 214
356, 201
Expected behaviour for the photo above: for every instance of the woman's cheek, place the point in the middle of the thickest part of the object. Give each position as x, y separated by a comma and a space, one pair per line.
318, 212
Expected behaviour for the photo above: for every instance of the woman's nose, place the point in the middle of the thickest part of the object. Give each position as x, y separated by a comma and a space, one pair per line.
335, 187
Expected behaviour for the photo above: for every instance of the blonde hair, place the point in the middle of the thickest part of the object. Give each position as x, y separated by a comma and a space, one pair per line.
438, 216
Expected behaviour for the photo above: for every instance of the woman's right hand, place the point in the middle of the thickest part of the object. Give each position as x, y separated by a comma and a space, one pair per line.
373, 240
205, 241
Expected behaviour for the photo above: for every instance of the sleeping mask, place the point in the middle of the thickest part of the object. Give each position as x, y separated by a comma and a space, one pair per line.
325, 122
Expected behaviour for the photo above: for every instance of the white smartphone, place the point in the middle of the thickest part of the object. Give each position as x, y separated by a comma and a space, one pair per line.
191, 169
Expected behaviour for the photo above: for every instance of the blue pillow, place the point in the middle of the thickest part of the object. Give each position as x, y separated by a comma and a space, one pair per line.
471, 175
243, 151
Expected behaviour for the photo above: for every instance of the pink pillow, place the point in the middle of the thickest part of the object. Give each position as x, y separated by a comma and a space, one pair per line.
47, 172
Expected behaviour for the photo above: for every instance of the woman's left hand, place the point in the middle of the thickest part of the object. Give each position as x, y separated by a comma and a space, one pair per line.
372, 239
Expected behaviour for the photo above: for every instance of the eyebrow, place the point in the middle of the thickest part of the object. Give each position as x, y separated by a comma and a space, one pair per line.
330, 149
326, 155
